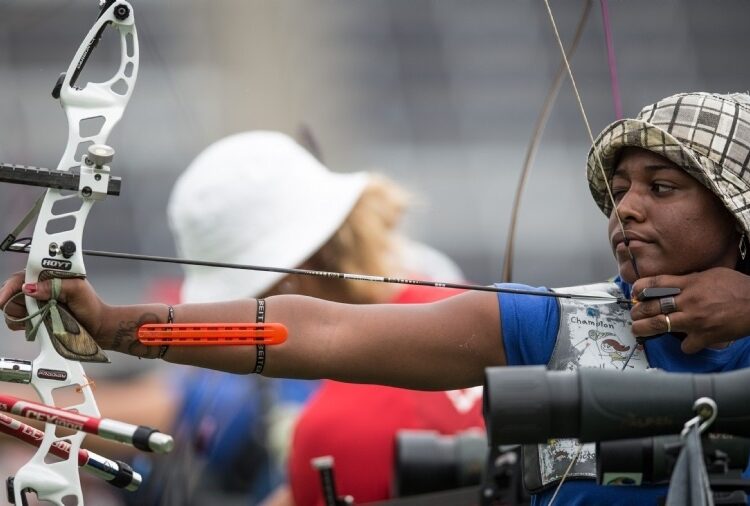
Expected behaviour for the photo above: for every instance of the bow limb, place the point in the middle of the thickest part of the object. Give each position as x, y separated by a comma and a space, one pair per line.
533, 147
92, 111
599, 164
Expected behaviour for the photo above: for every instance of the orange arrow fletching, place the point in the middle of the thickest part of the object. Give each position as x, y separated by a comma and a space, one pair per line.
211, 334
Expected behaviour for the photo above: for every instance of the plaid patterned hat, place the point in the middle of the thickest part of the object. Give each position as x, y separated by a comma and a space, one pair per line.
707, 135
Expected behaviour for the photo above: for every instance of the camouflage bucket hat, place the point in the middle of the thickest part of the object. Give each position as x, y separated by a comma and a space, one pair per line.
705, 134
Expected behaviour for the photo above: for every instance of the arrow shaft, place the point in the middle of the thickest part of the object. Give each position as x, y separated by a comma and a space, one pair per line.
23, 247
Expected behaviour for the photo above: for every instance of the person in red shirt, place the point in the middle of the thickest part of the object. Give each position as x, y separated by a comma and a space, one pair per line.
357, 426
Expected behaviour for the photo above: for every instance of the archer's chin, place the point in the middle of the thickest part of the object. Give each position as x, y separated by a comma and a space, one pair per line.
627, 272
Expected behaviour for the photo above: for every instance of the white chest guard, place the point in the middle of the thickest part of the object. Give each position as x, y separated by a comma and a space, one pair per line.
589, 335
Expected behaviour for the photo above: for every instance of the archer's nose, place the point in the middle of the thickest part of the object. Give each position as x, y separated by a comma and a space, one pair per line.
631, 206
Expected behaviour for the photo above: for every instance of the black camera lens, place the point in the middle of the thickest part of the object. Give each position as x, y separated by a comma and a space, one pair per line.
429, 462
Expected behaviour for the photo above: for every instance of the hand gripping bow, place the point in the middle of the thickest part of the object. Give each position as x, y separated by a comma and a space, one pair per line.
55, 252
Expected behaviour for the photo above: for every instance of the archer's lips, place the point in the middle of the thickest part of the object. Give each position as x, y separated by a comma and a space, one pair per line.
633, 245
634, 241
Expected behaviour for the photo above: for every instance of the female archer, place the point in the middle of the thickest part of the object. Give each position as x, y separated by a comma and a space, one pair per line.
674, 183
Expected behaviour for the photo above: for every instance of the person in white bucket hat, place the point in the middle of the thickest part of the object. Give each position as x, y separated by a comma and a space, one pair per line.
259, 198
677, 178
254, 198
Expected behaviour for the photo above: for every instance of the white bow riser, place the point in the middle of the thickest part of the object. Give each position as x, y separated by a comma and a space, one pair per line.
95, 103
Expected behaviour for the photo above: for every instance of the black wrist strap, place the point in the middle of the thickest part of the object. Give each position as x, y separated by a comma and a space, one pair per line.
170, 319
260, 349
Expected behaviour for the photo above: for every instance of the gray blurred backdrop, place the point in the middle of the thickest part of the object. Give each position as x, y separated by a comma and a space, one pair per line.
440, 95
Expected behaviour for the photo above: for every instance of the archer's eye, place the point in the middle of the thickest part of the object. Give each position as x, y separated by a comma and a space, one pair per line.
661, 188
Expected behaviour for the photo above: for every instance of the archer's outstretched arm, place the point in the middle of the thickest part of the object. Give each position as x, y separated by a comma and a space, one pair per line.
441, 345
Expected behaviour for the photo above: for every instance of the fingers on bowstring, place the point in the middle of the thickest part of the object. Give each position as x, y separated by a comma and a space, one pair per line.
657, 325
660, 281
645, 309
660, 324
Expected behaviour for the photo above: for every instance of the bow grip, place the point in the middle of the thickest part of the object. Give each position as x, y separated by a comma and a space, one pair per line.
70, 339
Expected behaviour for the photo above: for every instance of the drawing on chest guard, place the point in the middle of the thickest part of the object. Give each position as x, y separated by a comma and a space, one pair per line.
597, 336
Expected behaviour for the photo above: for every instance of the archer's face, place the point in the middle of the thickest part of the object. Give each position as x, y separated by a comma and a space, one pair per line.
674, 223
